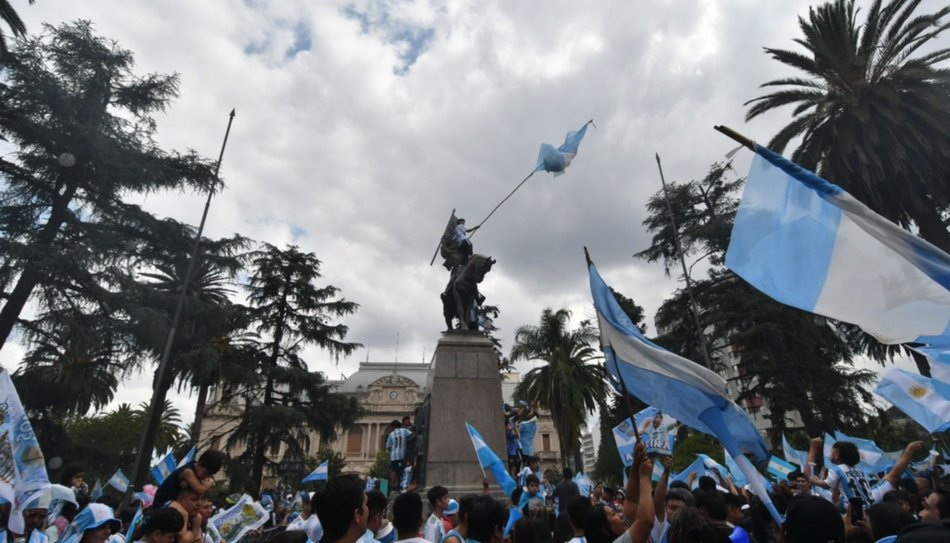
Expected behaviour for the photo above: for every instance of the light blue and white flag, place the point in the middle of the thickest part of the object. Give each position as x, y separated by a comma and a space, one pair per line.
738, 477
136, 520
693, 395
557, 160
319, 474
488, 459
915, 396
527, 431
809, 244
96, 491
118, 481
872, 457
584, 484
189, 456
792, 454
164, 468
22, 466
927, 463
514, 515
779, 468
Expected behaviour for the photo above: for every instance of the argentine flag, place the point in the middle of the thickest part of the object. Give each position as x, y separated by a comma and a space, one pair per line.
779, 468
136, 520
527, 431
809, 244
915, 395
164, 468
189, 456
694, 395
792, 454
118, 481
319, 474
557, 160
872, 457
488, 459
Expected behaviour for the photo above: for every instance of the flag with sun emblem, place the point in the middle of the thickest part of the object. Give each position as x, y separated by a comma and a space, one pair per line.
915, 395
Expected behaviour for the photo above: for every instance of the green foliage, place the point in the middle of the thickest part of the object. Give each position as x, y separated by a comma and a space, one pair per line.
571, 383
380, 468
870, 107
336, 465
696, 443
283, 400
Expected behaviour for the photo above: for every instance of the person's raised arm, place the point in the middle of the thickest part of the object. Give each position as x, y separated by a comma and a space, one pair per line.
631, 494
659, 497
643, 524
813, 447
901, 465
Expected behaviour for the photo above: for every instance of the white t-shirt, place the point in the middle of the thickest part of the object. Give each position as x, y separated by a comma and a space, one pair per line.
434, 529
660, 527
577, 539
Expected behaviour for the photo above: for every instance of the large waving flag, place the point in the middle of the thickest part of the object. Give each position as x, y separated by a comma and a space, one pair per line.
809, 244
872, 457
557, 160
792, 454
694, 395
527, 431
22, 465
319, 474
164, 468
488, 459
916, 396
189, 456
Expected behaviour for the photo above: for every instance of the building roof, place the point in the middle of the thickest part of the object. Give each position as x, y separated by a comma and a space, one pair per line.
370, 372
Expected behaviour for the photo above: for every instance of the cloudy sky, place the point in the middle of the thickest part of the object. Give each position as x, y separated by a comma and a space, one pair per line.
362, 123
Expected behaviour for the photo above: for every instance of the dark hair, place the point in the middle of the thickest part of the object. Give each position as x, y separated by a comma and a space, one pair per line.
943, 502
679, 484
407, 417
436, 493
847, 453
713, 504
531, 479
466, 501
166, 520
290, 536
682, 495
597, 528
760, 519
530, 530
376, 502
691, 526
516, 495
334, 505
486, 516
127, 513
567, 473
211, 460
71, 471
810, 518
895, 496
407, 513
707, 483
796, 474
733, 500
888, 519
108, 500
534, 460
577, 510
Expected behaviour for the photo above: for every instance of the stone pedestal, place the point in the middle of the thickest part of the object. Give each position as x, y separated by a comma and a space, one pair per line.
464, 386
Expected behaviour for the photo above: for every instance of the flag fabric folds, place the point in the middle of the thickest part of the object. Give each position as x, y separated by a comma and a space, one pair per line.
118, 481
584, 484
694, 395
164, 468
557, 160
793, 455
319, 474
488, 459
96, 491
527, 431
809, 244
189, 456
136, 520
916, 396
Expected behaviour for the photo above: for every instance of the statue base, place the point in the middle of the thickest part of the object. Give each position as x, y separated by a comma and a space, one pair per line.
464, 386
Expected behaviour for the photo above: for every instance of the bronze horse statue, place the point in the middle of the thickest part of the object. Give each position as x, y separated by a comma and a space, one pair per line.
461, 298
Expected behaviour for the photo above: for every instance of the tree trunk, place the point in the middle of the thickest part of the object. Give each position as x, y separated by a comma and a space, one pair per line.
199, 414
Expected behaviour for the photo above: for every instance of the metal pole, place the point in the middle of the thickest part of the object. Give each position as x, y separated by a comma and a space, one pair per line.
689, 283
147, 443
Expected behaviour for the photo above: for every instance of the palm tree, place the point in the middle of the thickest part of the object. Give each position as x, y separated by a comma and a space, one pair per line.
872, 108
9, 16
571, 384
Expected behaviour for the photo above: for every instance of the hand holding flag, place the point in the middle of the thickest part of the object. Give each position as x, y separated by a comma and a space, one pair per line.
488, 459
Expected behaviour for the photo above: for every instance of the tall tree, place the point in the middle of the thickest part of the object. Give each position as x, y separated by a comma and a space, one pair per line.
871, 109
283, 400
81, 126
10, 16
571, 384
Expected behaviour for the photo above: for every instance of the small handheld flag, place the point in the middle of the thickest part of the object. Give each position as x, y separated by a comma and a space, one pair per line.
136, 520
779, 468
793, 455
527, 431
164, 468
96, 491
118, 481
319, 474
488, 459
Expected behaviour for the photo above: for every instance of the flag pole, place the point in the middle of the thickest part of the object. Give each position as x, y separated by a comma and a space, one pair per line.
159, 391
739, 138
510, 194
439, 245
623, 386
682, 258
